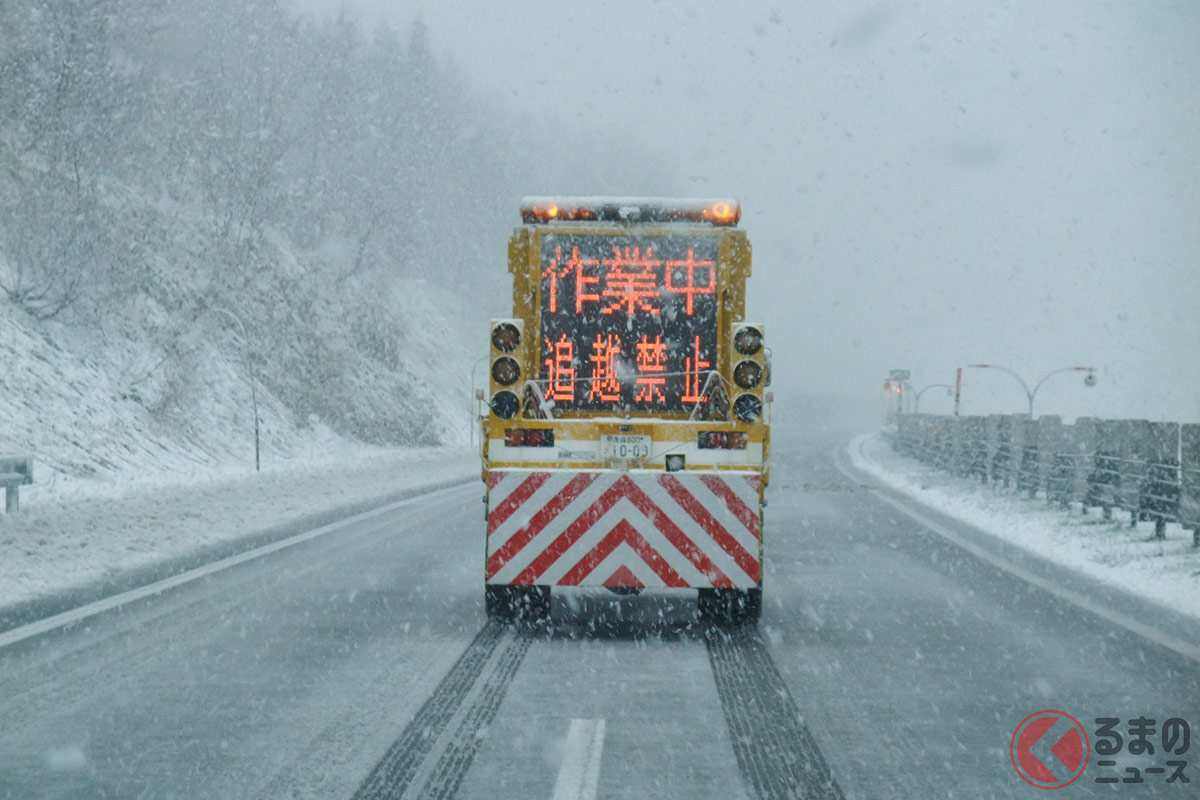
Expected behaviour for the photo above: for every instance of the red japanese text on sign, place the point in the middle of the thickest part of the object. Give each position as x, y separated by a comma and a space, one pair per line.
583, 281
651, 358
561, 369
612, 302
632, 279
693, 365
605, 383
690, 288
557, 269
554, 271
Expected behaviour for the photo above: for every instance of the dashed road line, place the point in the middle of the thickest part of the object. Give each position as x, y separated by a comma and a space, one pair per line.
776, 753
579, 774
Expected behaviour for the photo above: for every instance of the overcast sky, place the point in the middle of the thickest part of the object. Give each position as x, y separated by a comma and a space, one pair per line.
926, 184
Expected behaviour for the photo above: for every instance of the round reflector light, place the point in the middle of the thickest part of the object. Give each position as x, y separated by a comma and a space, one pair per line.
747, 341
506, 337
505, 404
747, 374
505, 371
747, 407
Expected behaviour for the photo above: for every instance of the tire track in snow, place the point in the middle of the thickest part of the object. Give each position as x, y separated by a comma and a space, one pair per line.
432, 756
776, 753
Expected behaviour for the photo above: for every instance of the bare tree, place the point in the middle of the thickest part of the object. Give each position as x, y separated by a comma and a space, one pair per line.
57, 236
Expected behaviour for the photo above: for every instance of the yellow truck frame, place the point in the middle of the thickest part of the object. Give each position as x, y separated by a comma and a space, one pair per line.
626, 498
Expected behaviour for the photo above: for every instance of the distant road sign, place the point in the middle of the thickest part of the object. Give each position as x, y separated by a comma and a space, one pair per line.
899, 375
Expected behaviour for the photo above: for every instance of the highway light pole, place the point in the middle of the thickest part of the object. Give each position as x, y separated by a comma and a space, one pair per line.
946, 386
1088, 380
473, 412
250, 367
898, 377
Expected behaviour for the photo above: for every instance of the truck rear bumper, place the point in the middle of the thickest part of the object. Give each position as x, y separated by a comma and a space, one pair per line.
624, 529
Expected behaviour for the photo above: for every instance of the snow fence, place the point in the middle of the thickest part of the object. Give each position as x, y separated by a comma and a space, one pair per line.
1149, 469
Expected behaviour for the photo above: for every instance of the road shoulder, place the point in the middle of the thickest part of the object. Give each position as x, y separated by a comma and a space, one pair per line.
1108, 594
64, 556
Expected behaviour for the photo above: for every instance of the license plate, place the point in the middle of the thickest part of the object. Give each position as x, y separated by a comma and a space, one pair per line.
624, 446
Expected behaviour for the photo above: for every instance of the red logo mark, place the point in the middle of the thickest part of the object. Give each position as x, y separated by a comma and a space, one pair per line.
1070, 748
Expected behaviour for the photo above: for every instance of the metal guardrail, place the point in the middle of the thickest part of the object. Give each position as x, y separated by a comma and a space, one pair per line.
15, 472
1149, 469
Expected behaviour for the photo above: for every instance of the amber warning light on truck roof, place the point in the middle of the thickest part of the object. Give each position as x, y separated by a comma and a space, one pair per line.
535, 210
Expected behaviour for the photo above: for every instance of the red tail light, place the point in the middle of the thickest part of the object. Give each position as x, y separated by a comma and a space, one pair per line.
529, 437
722, 440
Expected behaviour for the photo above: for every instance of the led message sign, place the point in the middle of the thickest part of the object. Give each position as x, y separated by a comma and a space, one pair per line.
628, 323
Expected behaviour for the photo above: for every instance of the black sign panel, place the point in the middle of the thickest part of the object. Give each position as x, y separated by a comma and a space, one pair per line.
628, 323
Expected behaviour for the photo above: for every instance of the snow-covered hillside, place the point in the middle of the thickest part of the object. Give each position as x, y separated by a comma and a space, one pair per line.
204, 206
104, 410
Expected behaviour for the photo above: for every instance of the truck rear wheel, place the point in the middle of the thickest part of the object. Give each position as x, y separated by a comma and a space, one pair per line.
730, 606
517, 603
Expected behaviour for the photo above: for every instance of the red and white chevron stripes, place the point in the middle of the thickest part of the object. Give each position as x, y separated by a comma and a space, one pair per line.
636, 528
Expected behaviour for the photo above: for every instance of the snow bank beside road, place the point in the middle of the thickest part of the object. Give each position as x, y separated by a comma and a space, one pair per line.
1164, 571
58, 545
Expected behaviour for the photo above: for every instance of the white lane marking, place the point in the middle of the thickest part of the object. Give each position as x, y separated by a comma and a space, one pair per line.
1183, 648
91, 609
580, 771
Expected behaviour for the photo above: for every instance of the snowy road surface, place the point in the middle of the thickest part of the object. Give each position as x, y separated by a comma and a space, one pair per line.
358, 663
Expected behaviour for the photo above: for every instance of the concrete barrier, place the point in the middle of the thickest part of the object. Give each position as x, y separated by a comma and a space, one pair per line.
15, 472
1083, 441
925, 434
1132, 435
1104, 480
1150, 469
975, 447
943, 443
1029, 472
906, 425
1189, 470
1000, 449
1051, 443
958, 457
1158, 496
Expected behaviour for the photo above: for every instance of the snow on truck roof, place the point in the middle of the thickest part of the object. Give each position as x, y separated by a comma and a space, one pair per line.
720, 212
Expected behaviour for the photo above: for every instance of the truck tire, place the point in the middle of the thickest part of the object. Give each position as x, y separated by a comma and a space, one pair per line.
517, 603
749, 606
730, 606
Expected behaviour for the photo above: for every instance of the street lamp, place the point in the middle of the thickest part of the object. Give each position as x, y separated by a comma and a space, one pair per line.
474, 368
888, 386
1088, 380
946, 386
900, 376
250, 366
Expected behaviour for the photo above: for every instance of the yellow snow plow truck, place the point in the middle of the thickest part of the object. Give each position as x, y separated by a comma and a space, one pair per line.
626, 433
